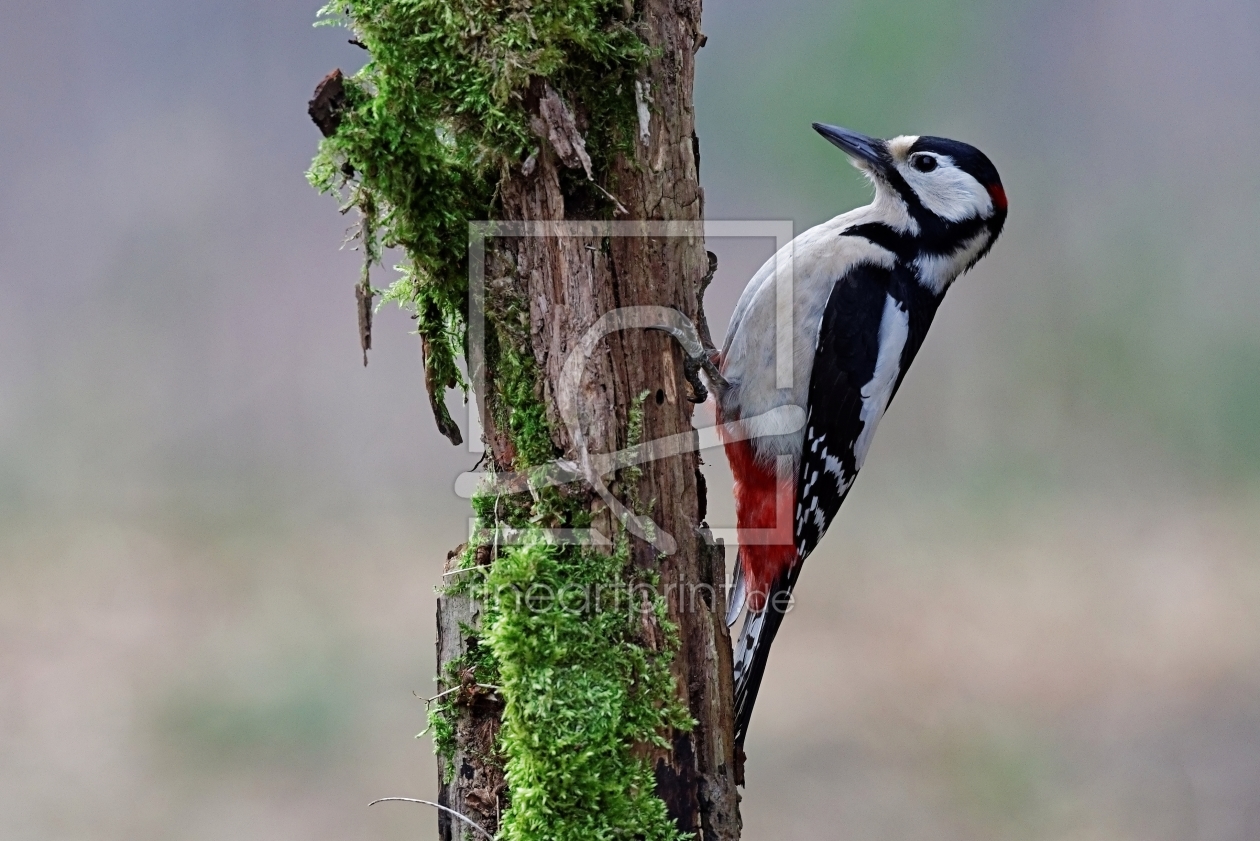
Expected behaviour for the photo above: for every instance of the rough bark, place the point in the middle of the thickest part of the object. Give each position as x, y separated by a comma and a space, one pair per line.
476, 788
569, 283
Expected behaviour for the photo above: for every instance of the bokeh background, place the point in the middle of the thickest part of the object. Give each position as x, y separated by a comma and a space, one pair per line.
1038, 616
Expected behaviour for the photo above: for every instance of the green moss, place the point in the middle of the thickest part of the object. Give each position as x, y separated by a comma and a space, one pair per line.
516, 404
562, 636
582, 689
441, 717
437, 116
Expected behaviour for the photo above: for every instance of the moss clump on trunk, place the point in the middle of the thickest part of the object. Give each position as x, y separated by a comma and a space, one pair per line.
563, 638
565, 627
438, 116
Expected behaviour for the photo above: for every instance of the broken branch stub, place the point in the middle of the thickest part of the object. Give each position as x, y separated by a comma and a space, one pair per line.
328, 102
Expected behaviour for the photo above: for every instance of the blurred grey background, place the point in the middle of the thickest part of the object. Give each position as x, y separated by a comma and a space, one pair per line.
1037, 617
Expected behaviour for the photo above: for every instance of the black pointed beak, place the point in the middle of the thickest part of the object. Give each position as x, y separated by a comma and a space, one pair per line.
868, 150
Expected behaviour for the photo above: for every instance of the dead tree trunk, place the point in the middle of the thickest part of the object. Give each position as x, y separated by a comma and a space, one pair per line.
563, 286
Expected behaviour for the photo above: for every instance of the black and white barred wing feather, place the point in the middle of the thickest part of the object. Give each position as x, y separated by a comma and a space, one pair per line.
841, 400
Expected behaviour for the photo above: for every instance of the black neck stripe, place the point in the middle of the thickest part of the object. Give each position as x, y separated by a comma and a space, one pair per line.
936, 236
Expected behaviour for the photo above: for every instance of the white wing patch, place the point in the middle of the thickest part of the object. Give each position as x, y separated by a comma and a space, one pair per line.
894, 330
750, 632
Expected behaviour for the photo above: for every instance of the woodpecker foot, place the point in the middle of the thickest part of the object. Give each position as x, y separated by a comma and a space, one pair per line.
698, 355
693, 365
704, 362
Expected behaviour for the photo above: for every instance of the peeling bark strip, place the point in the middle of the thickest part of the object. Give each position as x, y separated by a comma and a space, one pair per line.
556, 124
363, 296
563, 286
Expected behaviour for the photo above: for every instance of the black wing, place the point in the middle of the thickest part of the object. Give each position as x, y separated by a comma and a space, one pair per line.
844, 361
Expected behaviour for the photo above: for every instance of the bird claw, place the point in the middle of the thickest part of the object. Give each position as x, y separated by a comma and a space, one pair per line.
697, 335
693, 365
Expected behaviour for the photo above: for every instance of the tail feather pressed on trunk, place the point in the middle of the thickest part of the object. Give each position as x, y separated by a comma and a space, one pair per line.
752, 650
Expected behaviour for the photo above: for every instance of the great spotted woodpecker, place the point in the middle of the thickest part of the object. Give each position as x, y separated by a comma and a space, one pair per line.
866, 286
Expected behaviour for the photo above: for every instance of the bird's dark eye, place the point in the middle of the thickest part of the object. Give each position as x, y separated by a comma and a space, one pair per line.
924, 163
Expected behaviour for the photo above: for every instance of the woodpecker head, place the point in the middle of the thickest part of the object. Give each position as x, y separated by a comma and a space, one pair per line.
942, 199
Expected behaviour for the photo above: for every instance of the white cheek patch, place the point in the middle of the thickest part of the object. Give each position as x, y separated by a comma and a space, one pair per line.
949, 192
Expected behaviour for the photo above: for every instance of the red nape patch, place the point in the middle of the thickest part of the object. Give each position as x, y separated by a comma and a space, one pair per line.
999, 196
763, 511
